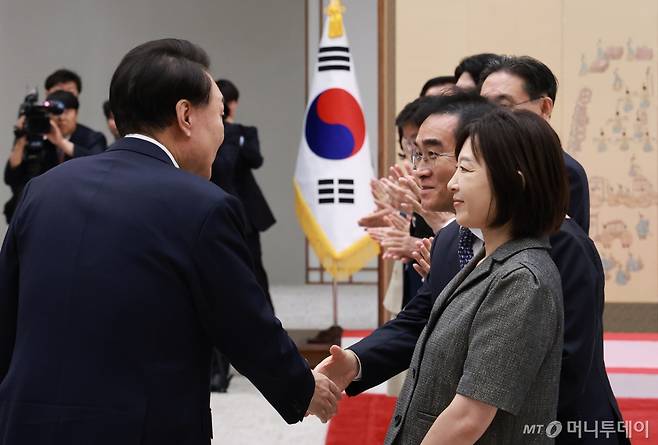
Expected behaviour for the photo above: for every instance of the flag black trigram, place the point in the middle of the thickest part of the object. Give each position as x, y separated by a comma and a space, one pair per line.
331, 191
333, 58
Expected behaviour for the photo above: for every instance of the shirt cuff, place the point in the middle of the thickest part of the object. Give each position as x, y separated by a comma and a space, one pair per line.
358, 374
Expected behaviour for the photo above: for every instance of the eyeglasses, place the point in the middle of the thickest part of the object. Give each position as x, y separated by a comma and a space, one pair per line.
430, 158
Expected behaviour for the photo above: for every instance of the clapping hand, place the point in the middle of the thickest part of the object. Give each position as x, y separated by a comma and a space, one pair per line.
422, 257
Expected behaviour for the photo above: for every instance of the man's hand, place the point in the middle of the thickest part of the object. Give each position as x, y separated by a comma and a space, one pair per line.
55, 136
375, 219
341, 367
325, 398
398, 245
423, 257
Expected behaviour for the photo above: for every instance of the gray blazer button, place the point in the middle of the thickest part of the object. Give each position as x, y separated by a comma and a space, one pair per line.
397, 420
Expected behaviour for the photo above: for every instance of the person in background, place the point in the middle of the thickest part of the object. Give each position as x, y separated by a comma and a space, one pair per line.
469, 69
238, 155
438, 86
109, 118
522, 82
67, 139
63, 80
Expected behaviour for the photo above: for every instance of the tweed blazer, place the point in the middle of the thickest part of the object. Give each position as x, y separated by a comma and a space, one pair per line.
494, 335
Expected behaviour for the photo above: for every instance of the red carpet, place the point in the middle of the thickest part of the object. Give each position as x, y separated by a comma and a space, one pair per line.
641, 411
363, 420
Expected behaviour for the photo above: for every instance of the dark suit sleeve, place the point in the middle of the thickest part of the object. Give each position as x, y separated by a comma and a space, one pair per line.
388, 350
9, 293
250, 149
582, 287
95, 144
235, 314
15, 176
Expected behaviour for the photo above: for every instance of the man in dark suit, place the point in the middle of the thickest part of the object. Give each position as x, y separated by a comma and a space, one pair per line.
526, 83
121, 270
66, 140
233, 169
585, 392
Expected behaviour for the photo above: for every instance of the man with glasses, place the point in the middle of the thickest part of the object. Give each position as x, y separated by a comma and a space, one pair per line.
526, 83
585, 393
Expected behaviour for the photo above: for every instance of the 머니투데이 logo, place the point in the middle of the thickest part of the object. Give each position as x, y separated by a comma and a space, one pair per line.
335, 126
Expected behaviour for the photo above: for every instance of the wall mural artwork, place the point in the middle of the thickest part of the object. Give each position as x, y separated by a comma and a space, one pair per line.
612, 132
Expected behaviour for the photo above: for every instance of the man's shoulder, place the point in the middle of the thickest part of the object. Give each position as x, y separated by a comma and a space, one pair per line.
573, 166
572, 241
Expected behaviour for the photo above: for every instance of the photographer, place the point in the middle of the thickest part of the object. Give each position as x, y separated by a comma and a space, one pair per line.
66, 139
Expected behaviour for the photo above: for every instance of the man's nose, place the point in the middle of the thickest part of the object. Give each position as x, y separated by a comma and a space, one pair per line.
422, 171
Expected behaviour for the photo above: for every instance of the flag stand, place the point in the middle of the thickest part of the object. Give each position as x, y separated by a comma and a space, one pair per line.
334, 297
334, 334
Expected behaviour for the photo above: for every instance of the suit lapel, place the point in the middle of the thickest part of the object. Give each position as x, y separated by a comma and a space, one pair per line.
469, 274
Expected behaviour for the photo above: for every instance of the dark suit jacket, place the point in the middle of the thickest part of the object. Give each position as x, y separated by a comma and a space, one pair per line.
585, 392
238, 155
85, 142
578, 192
117, 275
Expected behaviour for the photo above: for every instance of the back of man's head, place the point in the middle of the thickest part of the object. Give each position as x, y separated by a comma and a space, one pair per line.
538, 79
467, 106
62, 76
440, 81
474, 65
152, 78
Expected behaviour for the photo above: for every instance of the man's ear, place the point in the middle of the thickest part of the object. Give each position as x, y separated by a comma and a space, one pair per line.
546, 106
183, 111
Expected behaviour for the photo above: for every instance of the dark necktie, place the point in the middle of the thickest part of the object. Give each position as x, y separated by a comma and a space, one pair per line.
465, 246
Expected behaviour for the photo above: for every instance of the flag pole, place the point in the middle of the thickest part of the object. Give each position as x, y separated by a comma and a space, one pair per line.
333, 334
334, 295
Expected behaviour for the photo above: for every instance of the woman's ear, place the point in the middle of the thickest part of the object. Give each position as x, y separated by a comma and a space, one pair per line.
522, 178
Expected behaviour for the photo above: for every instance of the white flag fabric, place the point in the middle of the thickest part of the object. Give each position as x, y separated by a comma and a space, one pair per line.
334, 168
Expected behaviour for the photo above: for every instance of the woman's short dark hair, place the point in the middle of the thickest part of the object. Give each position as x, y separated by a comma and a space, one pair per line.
152, 78
512, 142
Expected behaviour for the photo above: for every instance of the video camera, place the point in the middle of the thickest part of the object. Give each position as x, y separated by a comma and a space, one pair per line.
37, 120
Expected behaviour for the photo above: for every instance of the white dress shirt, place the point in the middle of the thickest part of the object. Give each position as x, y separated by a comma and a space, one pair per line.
153, 141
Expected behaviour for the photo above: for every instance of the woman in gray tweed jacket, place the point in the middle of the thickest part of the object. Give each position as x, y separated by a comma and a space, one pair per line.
488, 361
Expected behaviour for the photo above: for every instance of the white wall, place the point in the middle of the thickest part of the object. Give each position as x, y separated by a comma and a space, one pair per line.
257, 44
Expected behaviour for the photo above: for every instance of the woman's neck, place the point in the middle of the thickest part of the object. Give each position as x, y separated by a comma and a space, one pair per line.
494, 237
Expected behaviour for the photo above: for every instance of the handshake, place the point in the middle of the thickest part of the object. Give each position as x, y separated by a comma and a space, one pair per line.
332, 375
